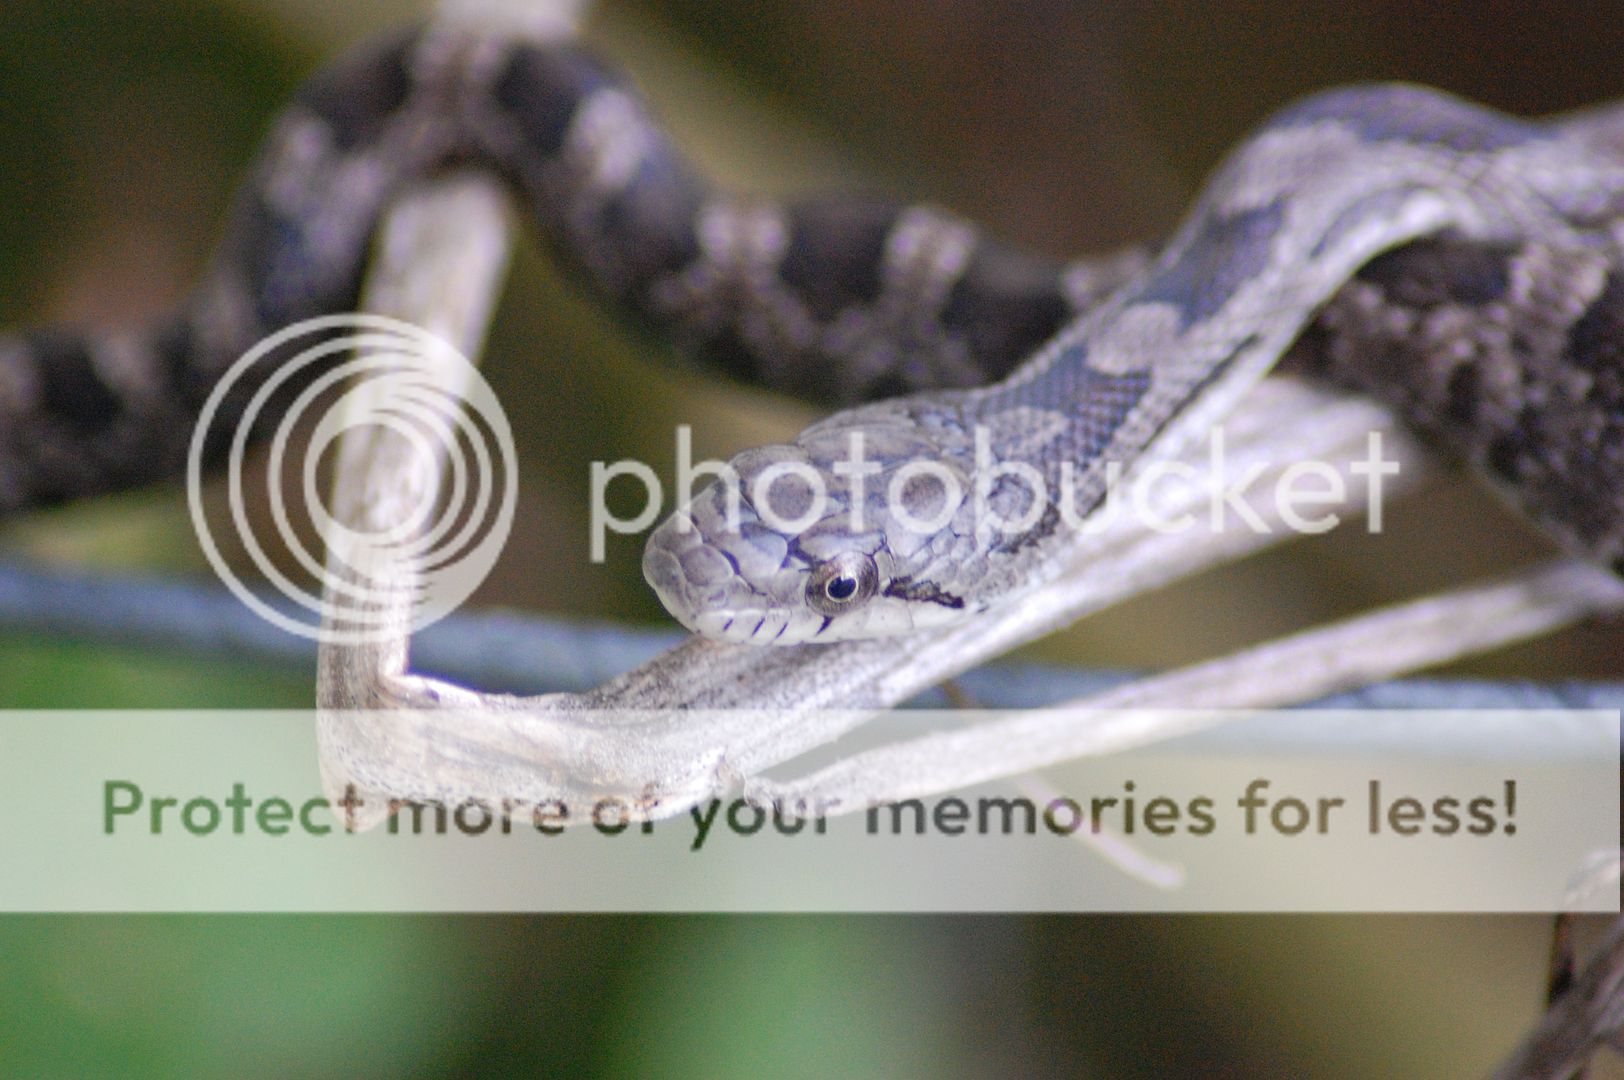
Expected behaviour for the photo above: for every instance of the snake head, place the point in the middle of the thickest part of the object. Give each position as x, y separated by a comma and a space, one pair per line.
785, 548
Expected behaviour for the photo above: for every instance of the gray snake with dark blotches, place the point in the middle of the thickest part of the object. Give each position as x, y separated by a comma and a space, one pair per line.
1460, 265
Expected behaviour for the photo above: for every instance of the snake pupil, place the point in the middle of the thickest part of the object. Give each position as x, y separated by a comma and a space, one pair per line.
842, 583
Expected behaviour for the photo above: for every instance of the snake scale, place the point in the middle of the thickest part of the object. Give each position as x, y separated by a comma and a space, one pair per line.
1463, 266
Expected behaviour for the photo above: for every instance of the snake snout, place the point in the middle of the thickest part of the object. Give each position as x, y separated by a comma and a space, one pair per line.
724, 574
777, 553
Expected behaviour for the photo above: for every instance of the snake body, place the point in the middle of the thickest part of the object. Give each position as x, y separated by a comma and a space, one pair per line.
1289, 219
1461, 265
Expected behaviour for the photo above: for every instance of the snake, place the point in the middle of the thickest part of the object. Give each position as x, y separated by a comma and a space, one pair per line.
1463, 266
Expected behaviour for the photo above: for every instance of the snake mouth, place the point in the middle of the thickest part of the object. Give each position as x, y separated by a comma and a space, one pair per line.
713, 615
758, 627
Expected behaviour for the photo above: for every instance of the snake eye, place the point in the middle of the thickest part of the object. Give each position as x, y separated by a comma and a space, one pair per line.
842, 583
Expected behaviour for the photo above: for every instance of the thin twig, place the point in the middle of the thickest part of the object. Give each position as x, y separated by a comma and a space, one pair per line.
1161, 707
456, 229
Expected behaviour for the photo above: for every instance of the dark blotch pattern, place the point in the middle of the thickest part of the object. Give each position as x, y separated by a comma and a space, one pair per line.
1004, 306
1492, 375
649, 225
1444, 270
1463, 394
362, 88
1225, 254
541, 89
1596, 342
1504, 457
1105, 403
633, 235
73, 393
836, 253
189, 387
1098, 403
295, 275
727, 355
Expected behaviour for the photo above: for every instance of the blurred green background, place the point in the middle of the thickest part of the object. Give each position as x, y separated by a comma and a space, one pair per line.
1063, 126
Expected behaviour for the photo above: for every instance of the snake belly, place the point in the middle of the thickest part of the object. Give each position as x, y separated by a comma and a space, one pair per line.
1454, 262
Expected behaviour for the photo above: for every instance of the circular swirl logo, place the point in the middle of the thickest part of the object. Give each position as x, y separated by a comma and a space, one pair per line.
427, 482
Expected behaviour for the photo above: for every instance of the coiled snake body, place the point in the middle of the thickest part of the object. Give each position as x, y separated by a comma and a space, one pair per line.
1461, 265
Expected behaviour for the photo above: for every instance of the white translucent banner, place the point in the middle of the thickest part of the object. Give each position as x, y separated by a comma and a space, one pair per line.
1286, 811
